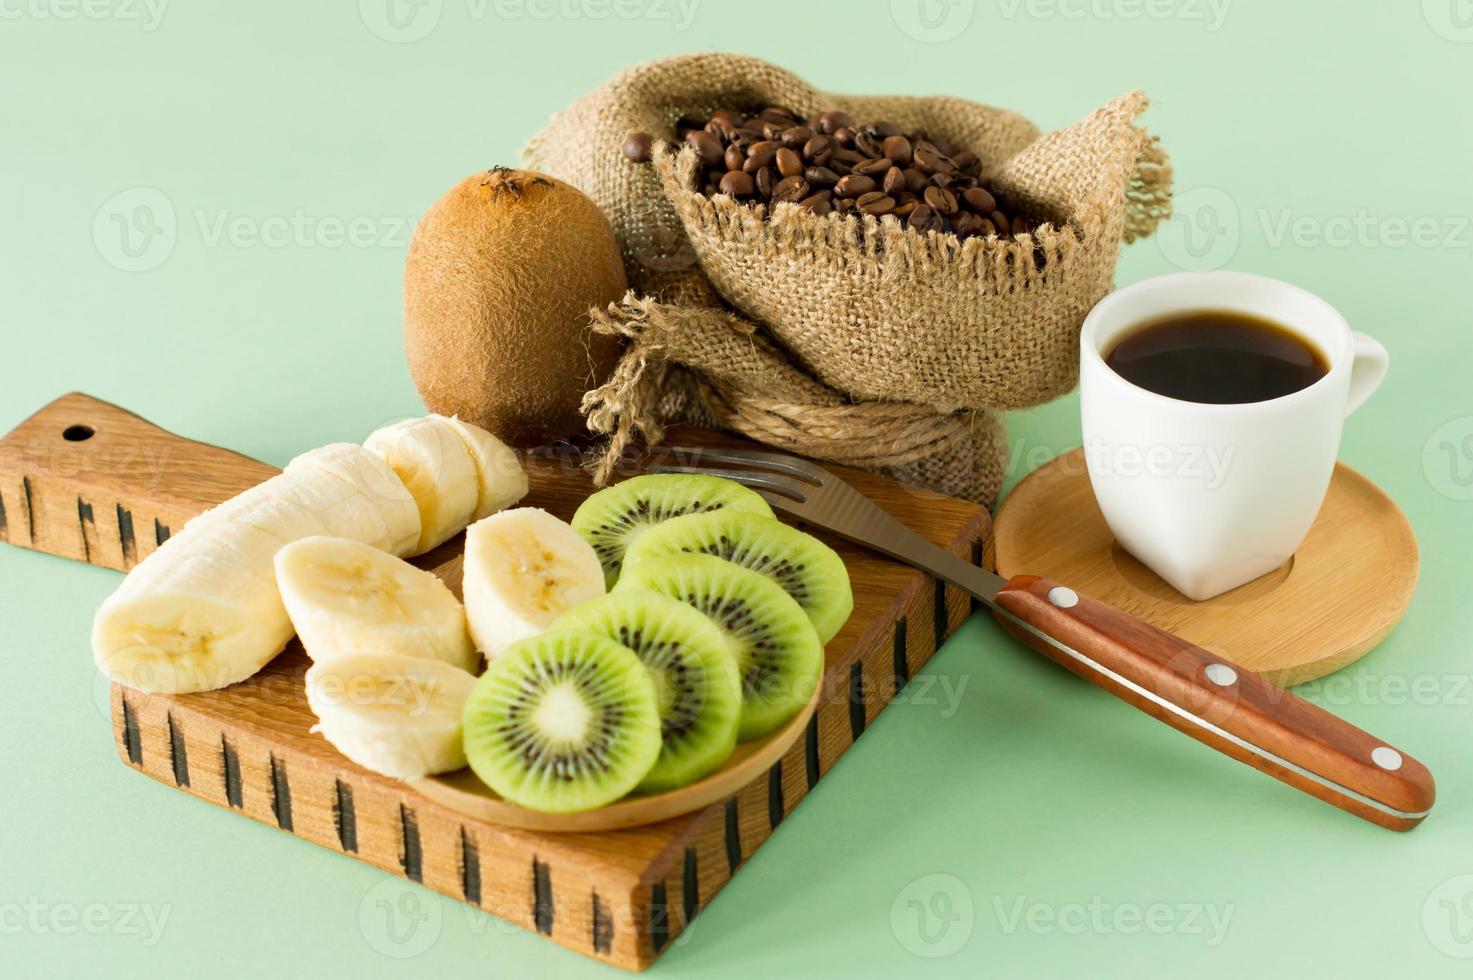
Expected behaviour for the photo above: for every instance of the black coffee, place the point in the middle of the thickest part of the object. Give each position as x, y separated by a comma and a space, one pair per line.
1219, 357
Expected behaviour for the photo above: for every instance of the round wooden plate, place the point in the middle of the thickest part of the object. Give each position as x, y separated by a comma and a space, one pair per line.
463, 792
1339, 596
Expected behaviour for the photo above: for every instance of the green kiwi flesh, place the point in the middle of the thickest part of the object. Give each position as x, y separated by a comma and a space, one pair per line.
563, 722
695, 673
778, 652
612, 519
806, 568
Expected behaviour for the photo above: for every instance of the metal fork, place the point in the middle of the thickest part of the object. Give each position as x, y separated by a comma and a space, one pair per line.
1194, 691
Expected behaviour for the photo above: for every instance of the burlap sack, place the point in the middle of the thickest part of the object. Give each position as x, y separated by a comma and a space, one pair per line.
906, 333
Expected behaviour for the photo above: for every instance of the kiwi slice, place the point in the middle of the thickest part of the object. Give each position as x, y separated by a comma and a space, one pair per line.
562, 722
612, 519
807, 569
695, 674
777, 649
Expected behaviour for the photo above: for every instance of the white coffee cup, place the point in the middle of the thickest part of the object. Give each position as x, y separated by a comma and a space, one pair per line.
1213, 496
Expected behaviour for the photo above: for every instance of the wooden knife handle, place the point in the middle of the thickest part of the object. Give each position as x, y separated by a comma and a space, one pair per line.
87, 480
1219, 703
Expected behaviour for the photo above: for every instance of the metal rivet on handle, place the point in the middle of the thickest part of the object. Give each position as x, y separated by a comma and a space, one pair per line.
1386, 757
1063, 596
1221, 674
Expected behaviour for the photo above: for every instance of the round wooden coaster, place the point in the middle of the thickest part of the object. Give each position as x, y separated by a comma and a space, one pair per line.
1340, 595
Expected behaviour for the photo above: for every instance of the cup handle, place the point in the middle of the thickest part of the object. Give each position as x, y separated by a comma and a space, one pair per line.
1366, 370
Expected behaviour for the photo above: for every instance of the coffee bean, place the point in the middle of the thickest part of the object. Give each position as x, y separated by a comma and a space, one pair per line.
790, 189
922, 218
731, 117
764, 182
794, 137
979, 200
846, 156
999, 221
789, 164
927, 157
818, 148
820, 176
941, 200
708, 147
876, 167
818, 203
882, 130
868, 145
894, 181
776, 114
854, 185
1018, 226
763, 151
737, 184
968, 163
904, 208
875, 203
916, 180
637, 147
735, 157
844, 136
898, 149
834, 119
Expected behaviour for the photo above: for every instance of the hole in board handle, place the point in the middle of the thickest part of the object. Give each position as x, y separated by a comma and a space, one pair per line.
78, 433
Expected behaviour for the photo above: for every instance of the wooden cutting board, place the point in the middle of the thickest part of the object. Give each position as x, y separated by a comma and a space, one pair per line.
87, 480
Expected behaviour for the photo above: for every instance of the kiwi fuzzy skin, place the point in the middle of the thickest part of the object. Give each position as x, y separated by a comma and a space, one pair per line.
500, 276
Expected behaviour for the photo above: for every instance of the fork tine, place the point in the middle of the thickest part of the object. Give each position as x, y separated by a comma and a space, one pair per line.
781, 485
780, 462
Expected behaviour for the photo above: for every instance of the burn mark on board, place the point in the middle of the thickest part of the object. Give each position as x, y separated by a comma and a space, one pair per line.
178, 756
344, 816
230, 773
411, 850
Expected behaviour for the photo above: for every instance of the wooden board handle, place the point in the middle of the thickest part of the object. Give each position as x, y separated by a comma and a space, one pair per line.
1218, 703
87, 480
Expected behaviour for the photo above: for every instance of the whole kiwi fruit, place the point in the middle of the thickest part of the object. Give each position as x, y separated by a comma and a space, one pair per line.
501, 274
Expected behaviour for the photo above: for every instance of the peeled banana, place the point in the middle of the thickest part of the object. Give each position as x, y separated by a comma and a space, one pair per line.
395, 715
524, 568
345, 598
204, 610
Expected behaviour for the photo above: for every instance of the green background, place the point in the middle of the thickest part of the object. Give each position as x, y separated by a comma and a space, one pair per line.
1023, 788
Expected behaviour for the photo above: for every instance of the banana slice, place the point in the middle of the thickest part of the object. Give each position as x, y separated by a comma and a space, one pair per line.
376, 482
191, 622
345, 597
431, 459
501, 478
524, 568
395, 715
